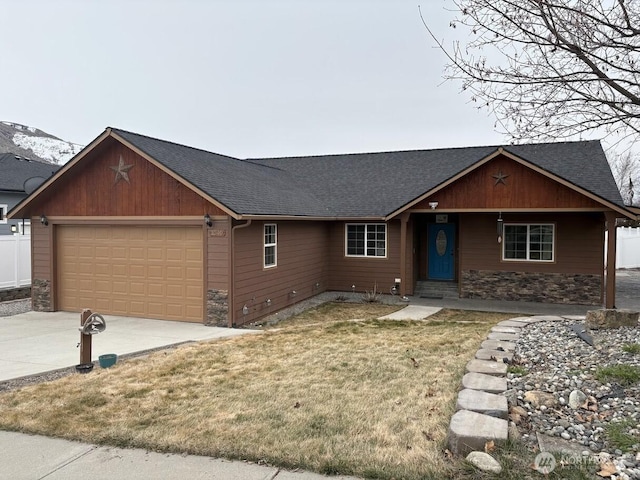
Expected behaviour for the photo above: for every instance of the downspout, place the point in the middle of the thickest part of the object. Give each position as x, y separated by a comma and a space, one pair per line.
232, 276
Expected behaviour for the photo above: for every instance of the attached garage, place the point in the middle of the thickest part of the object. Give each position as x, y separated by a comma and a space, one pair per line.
139, 271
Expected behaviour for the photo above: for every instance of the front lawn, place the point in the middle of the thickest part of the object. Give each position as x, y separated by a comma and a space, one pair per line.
333, 390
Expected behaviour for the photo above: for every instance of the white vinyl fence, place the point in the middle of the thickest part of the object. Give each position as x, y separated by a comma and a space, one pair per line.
15, 260
628, 247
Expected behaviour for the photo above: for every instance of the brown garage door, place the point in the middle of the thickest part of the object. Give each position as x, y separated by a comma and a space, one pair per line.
153, 272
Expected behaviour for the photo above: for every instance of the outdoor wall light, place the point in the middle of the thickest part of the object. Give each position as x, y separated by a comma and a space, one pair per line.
433, 205
293, 293
14, 229
245, 310
268, 302
500, 227
207, 220
43, 220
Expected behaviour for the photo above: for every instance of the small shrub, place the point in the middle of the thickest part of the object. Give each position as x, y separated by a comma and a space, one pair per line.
372, 296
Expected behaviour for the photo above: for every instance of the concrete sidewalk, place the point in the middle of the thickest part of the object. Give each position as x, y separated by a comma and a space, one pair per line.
32, 457
38, 342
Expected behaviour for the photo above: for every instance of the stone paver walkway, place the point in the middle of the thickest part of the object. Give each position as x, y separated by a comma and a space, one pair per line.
482, 409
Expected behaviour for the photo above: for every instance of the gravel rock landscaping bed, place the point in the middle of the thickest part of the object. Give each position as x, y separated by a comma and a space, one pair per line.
559, 388
14, 307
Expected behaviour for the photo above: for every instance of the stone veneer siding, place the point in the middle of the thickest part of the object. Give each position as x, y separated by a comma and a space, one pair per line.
531, 287
41, 295
217, 308
17, 293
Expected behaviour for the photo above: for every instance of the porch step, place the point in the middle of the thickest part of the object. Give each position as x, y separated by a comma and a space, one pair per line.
432, 289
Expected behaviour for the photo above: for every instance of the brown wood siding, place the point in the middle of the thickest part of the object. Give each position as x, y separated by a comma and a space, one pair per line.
218, 255
89, 189
41, 241
364, 272
301, 263
523, 188
579, 243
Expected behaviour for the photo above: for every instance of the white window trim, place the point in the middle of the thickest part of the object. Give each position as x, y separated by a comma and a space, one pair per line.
266, 245
3, 214
528, 252
366, 225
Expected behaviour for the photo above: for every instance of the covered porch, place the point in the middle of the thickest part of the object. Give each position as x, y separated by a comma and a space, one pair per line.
554, 257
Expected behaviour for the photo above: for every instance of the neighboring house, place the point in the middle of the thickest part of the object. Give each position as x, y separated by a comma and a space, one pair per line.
14, 172
139, 226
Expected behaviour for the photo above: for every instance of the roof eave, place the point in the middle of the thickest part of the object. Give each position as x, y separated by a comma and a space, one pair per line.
19, 209
175, 176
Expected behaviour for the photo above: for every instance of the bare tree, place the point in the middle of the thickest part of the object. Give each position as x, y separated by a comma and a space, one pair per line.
626, 171
551, 69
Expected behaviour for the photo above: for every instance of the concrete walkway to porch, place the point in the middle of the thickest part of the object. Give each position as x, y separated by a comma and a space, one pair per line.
627, 296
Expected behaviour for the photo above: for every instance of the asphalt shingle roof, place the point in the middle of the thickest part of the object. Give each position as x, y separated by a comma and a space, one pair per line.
244, 187
14, 171
364, 184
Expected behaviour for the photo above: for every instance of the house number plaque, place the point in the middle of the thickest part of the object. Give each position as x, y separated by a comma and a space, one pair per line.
441, 243
217, 233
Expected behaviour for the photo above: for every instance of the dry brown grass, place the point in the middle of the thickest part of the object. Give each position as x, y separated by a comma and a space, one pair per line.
320, 392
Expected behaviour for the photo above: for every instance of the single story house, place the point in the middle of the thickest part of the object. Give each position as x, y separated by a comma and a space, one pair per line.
137, 226
18, 176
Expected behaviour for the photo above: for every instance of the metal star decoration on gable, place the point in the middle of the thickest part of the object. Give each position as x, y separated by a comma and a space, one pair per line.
500, 178
121, 171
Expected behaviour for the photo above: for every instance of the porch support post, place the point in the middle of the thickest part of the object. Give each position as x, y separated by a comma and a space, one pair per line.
404, 219
610, 274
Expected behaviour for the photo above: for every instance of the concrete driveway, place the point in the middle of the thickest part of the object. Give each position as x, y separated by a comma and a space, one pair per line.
37, 342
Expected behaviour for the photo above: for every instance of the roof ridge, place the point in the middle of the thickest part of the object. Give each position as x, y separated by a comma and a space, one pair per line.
253, 164
386, 152
116, 130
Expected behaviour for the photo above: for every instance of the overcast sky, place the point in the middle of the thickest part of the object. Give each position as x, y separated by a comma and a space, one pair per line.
242, 78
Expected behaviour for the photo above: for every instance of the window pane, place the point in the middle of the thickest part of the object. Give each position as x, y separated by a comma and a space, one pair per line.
355, 239
515, 241
376, 240
269, 256
269, 234
541, 242
366, 240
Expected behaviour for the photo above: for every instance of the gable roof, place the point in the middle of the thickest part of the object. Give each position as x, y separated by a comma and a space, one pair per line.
244, 187
360, 186
15, 170
381, 184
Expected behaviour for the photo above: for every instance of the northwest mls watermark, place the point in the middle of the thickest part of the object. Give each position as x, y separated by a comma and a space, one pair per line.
546, 462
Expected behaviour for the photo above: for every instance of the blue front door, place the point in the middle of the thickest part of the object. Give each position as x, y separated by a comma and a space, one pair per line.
441, 245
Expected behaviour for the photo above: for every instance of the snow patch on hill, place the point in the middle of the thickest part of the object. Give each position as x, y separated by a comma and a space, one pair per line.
47, 148
35, 144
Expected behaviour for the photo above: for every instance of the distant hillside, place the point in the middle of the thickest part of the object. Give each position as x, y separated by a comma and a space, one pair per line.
32, 143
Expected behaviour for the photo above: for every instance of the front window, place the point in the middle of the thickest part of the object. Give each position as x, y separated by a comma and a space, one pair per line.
270, 245
367, 240
528, 242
